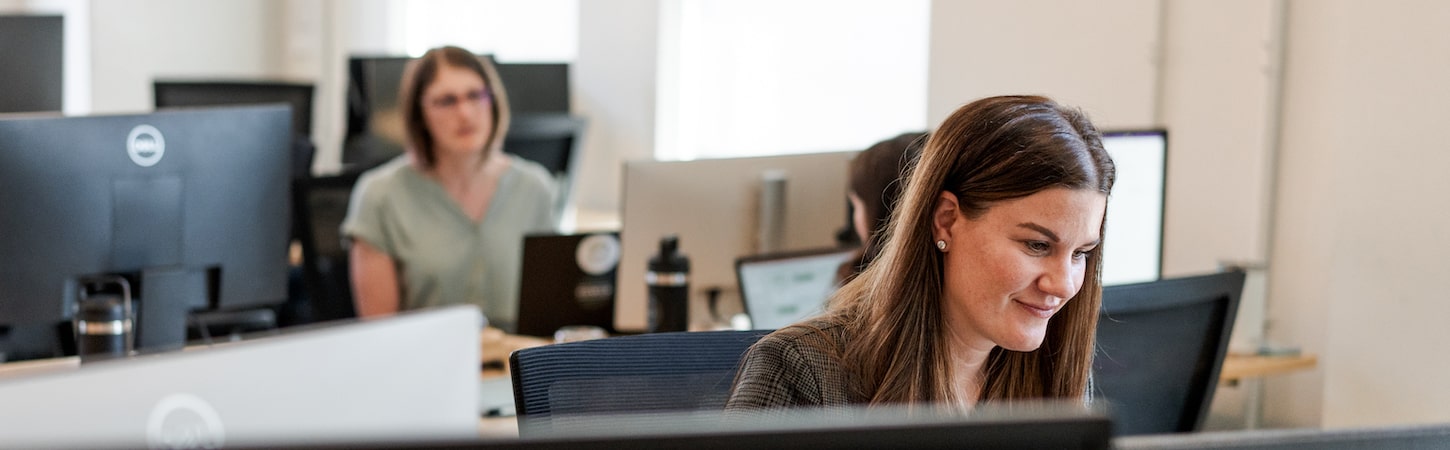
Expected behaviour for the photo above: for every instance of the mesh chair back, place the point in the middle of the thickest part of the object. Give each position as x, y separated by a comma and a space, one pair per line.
560, 387
319, 206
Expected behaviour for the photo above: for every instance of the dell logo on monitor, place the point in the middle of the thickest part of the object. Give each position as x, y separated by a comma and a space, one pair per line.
145, 145
184, 421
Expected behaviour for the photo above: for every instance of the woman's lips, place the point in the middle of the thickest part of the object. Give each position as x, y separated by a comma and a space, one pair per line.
1044, 312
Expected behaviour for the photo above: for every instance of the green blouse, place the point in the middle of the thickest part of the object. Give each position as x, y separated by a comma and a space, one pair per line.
443, 257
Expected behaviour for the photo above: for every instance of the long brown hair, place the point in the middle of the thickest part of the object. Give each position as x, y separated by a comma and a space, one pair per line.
877, 175
990, 150
421, 72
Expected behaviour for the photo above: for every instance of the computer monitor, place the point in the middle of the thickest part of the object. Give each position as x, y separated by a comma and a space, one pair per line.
1134, 229
566, 280
175, 93
1017, 426
412, 377
375, 124
722, 209
779, 289
33, 59
536, 87
1161, 346
190, 204
179, 93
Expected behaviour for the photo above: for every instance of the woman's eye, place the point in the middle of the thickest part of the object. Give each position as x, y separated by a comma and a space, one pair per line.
1038, 246
1081, 254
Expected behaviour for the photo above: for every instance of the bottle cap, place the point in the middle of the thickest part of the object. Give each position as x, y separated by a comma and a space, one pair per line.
669, 259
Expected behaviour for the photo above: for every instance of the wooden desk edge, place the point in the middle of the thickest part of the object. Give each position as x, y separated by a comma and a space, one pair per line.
1238, 367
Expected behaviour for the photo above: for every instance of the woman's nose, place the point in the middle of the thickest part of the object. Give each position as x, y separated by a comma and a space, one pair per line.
1058, 278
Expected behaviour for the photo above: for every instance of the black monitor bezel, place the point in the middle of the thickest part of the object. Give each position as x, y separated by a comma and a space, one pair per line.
1223, 290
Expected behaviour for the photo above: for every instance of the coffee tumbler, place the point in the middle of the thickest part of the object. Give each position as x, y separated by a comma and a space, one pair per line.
103, 325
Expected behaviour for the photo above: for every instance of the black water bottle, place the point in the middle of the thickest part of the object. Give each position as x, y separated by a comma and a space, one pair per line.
669, 288
103, 327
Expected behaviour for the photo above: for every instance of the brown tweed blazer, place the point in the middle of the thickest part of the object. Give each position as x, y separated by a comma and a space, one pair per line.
793, 367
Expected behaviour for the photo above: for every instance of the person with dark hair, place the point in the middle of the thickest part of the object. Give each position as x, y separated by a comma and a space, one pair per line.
444, 222
876, 177
987, 286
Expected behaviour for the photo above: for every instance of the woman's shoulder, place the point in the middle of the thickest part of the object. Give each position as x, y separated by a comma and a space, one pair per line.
817, 334
530, 170
530, 180
389, 175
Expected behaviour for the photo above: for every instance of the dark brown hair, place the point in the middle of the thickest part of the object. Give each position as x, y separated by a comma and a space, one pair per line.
990, 150
421, 73
877, 175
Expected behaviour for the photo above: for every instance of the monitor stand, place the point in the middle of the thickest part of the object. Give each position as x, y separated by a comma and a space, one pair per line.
167, 295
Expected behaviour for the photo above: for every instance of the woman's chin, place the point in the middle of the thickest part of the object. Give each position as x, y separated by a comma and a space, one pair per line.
1023, 343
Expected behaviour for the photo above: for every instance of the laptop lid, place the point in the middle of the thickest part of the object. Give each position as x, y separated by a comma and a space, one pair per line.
782, 288
567, 280
413, 376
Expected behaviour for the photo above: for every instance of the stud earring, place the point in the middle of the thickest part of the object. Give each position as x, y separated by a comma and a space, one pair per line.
941, 245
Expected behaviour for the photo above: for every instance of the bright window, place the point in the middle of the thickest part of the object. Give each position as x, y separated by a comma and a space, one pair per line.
757, 77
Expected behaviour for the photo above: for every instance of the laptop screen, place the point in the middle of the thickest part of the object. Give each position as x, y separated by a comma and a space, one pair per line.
781, 289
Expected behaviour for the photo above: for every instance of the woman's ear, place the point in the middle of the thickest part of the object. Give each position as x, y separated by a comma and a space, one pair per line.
944, 215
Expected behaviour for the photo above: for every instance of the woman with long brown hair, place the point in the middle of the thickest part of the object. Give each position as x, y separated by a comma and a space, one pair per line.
875, 183
987, 287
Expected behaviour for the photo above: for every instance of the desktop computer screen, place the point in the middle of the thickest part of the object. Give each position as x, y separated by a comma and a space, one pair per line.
194, 201
374, 121
175, 93
33, 59
1161, 346
537, 92
723, 209
1134, 231
536, 87
783, 288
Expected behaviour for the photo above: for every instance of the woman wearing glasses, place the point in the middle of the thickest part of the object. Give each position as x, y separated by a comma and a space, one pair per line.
444, 223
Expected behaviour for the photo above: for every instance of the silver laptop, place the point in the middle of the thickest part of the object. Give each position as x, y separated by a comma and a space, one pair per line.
414, 376
781, 289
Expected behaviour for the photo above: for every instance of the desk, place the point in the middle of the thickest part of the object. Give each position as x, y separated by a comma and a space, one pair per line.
496, 347
1251, 368
1237, 367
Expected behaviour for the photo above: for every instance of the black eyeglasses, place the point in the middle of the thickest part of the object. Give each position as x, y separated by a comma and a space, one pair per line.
473, 97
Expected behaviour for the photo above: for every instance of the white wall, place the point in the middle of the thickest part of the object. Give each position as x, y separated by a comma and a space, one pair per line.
614, 88
1219, 71
135, 41
1362, 227
1134, 64
1098, 56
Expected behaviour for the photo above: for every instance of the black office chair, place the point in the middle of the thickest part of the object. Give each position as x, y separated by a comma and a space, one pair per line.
319, 205
552, 140
558, 388
1161, 346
